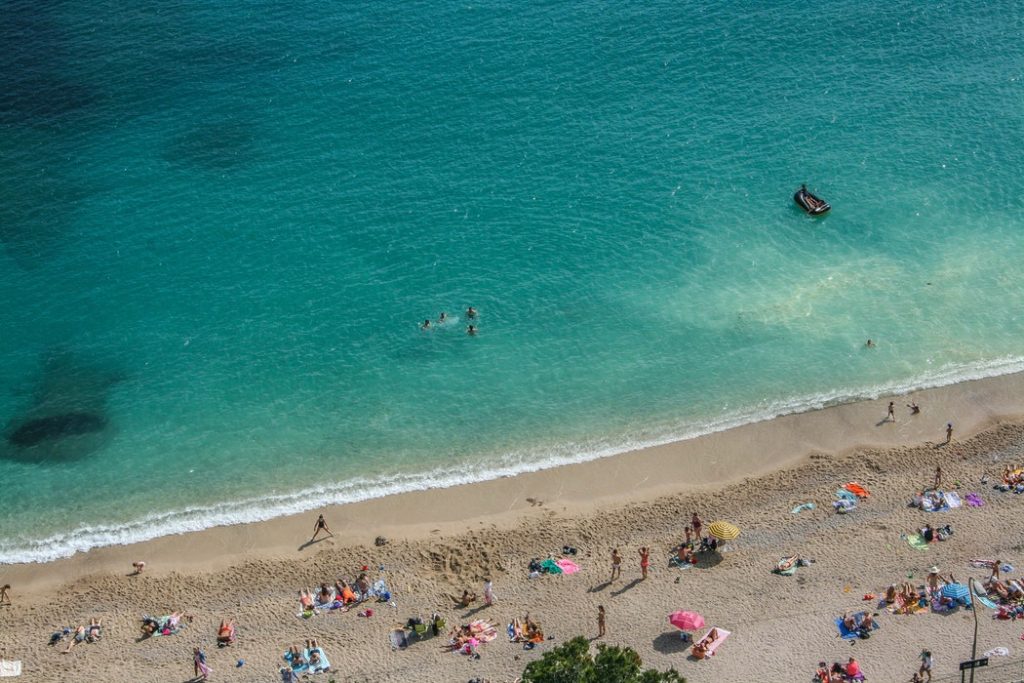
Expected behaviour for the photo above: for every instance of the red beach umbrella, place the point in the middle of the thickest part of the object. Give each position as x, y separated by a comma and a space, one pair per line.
686, 621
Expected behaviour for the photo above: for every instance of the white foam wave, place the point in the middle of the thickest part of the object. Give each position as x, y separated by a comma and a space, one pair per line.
259, 509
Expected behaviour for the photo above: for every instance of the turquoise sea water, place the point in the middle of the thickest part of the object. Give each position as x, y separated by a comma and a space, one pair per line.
220, 224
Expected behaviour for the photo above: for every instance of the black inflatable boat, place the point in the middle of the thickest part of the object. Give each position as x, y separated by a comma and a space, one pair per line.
813, 205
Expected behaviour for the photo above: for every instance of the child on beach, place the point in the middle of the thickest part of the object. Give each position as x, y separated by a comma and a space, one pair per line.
616, 565
600, 621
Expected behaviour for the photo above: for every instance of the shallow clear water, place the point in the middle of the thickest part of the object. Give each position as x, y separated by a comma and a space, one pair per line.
221, 224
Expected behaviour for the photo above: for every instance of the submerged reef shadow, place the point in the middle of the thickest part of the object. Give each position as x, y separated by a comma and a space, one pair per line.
66, 417
215, 146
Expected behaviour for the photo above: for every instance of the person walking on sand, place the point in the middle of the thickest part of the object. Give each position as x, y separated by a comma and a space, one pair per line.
488, 592
645, 560
5, 599
892, 412
616, 565
938, 477
600, 621
949, 432
926, 665
202, 670
321, 525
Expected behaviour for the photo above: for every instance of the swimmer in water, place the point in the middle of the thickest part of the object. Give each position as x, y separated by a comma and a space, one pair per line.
471, 330
442, 318
425, 325
471, 312
870, 344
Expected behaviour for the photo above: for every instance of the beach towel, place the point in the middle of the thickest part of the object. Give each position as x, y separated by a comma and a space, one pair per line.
801, 507
550, 567
997, 652
398, 639
567, 566
323, 666
847, 634
929, 505
982, 564
675, 562
722, 635
953, 499
843, 506
856, 489
10, 669
917, 542
974, 500
984, 600
843, 494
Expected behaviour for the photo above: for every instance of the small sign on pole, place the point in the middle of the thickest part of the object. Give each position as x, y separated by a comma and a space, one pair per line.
973, 663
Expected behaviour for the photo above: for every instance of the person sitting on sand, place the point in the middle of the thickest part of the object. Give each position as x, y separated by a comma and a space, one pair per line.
866, 623
226, 632
79, 637
684, 554
466, 600
852, 668
890, 594
326, 595
850, 621
363, 584
822, 674
928, 533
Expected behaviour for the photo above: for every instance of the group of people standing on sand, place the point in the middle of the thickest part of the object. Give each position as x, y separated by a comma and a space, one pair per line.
471, 314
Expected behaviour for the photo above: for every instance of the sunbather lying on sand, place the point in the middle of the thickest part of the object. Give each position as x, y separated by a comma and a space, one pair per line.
226, 632
306, 600
700, 648
79, 637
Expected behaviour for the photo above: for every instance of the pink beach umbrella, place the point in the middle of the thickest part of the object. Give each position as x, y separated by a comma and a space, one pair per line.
686, 621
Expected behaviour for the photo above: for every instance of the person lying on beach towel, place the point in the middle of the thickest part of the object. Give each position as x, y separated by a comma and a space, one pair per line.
167, 625
226, 632
706, 646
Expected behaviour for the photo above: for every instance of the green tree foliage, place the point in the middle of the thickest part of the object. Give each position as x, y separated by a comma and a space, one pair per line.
573, 663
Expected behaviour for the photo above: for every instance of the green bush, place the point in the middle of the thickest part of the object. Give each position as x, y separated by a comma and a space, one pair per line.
573, 663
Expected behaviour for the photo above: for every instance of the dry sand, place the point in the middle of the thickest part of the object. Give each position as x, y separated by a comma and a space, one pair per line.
444, 541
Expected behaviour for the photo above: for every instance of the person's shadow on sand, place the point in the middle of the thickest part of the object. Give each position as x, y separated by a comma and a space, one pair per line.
599, 587
628, 586
314, 542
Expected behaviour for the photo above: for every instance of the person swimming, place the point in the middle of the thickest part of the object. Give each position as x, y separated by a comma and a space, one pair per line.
425, 325
471, 330
442, 318
470, 312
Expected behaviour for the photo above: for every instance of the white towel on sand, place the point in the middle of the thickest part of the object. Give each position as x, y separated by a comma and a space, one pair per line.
9, 669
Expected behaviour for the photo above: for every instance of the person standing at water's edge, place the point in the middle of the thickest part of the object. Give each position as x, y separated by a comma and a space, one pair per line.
949, 432
891, 415
321, 525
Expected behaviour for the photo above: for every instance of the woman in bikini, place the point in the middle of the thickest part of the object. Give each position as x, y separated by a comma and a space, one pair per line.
645, 560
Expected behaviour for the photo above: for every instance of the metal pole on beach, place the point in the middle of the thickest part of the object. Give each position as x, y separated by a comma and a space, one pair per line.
974, 610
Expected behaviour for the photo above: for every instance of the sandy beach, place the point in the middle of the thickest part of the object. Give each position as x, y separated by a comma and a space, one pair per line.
443, 541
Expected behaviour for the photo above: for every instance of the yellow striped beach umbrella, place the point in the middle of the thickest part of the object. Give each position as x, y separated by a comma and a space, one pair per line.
723, 531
